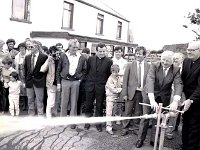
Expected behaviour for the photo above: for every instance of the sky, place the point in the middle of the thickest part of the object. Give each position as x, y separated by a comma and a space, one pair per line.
156, 23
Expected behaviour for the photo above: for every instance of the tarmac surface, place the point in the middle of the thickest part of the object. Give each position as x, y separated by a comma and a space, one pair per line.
65, 138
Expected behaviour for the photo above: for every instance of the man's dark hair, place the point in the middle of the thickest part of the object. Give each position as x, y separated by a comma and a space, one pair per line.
101, 45
45, 48
141, 48
21, 45
160, 51
59, 44
153, 52
118, 48
53, 49
10, 40
14, 75
86, 51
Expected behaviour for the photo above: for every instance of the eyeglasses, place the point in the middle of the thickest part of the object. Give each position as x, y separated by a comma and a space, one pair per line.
192, 50
30, 47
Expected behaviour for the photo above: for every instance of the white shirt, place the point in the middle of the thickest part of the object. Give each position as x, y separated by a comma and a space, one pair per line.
142, 74
35, 58
14, 87
73, 62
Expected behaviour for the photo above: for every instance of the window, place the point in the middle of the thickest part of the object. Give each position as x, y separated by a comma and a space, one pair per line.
21, 10
82, 45
119, 30
67, 21
99, 28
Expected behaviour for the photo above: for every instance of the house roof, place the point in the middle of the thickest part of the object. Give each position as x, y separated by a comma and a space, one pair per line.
99, 4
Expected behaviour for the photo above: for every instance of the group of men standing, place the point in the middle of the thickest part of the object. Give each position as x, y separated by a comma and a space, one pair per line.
142, 82
154, 85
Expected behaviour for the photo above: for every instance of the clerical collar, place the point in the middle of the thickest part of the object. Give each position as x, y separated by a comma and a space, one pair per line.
100, 57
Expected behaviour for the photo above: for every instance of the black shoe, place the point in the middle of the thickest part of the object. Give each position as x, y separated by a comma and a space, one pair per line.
73, 126
124, 132
99, 128
151, 143
139, 143
87, 126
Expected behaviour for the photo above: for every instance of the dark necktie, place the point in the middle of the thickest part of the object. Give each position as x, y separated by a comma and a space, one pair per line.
32, 62
139, 74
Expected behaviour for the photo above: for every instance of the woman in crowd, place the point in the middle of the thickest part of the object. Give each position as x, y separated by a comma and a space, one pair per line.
19, 66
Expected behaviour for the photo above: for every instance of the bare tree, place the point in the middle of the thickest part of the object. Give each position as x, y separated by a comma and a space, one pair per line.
194, 20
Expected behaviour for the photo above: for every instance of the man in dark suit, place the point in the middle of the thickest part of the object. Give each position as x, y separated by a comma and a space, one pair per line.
191, 82
98, 71
158, 86
34, 79
133, 82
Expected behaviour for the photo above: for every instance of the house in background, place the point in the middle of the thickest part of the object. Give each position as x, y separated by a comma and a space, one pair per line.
53, 21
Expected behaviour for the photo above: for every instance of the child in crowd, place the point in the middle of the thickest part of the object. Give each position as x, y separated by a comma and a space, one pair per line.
14, 90
113, 89
7, 69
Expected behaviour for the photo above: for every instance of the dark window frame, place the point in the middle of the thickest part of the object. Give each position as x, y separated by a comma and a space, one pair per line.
26, 17
119, 30
100, 18
71, 16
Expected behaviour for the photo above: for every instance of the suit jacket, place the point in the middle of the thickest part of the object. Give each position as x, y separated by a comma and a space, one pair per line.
161, 86
63, 69
191, 82
35, 77
130, 79
97, 78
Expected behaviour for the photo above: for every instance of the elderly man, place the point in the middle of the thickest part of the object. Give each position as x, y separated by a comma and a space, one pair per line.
191, 82
98, 71
158, 86
70, 71
174, 121
34, 79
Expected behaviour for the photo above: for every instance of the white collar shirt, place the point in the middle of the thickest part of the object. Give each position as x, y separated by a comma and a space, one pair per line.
36, 58
73, 62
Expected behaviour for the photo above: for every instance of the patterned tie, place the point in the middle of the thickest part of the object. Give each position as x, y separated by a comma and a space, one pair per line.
139, 75
32, 62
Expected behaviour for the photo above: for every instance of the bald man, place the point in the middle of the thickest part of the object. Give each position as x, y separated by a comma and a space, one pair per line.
191, 82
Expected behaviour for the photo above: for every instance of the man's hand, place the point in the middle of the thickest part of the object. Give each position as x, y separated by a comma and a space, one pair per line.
23, 85
6, 85
119, 90
125, 98
187, 103
154, 105
174, 105
58, 87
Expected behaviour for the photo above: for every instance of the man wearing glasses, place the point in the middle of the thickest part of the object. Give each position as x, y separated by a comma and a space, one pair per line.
34, 79
191, 82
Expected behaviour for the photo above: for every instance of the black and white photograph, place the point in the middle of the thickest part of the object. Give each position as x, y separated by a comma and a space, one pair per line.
100, 75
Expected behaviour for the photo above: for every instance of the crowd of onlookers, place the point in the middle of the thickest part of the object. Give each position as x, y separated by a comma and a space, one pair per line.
67, 82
